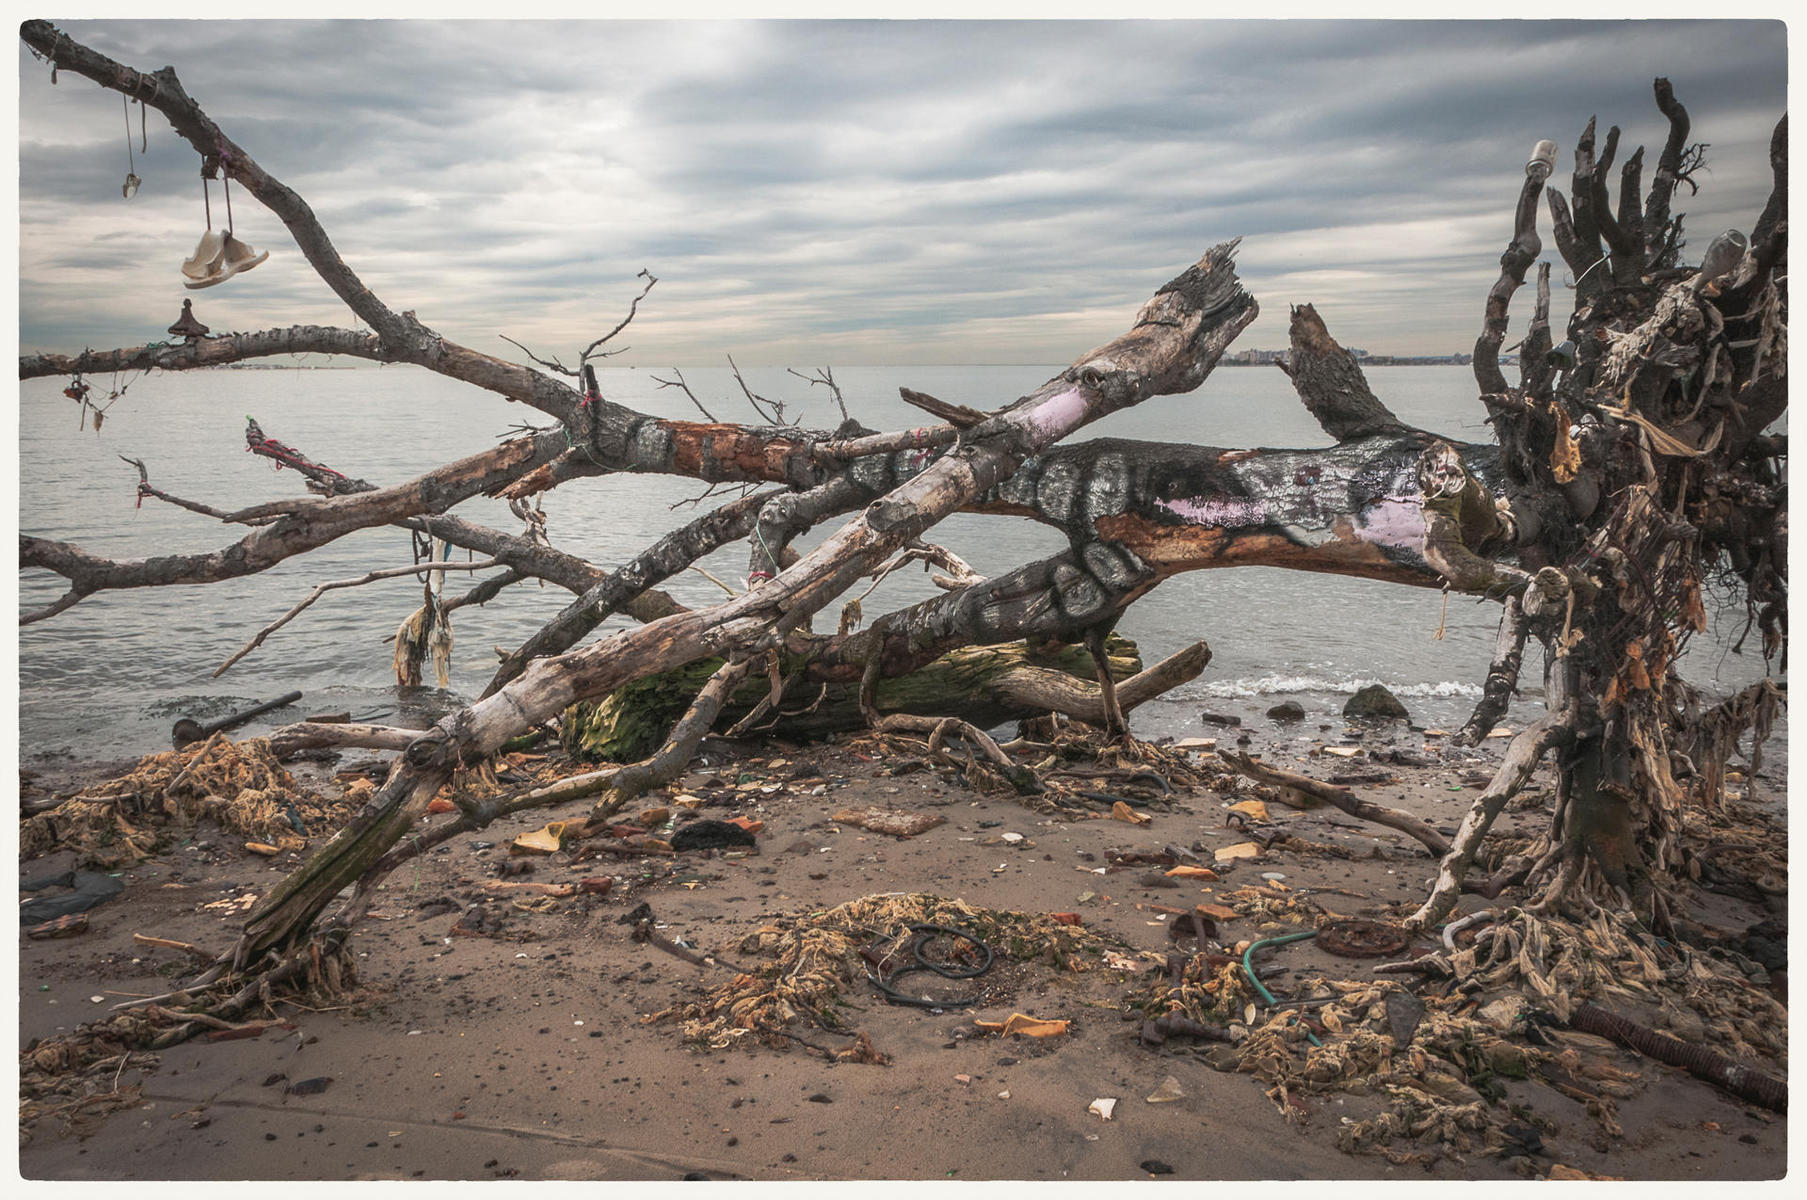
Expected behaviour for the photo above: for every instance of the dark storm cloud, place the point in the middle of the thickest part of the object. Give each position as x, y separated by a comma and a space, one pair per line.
860, 191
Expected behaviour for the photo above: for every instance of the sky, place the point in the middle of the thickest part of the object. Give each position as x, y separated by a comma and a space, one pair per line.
838, 193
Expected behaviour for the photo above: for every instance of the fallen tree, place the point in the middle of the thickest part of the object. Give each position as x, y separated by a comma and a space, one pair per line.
1630, 461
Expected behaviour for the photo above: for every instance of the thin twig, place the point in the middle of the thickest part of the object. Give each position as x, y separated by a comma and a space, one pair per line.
776, 416
712, 579
322, 589
590, 350
554, 365
685, 387
825, 376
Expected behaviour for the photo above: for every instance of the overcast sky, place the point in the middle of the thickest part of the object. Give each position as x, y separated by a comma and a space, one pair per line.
862, 192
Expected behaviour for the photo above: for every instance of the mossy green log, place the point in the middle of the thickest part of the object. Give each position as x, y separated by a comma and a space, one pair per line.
632, 722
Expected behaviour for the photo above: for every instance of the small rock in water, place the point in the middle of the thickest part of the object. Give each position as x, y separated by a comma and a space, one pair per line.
1287, 710
1375, 702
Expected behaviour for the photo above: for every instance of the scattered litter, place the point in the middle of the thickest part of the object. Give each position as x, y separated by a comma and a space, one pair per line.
1168, 1091
263, 848
1499, 731
1123, 812
1356, 938
498, 887
1239, 850
1103, 1106
710, 835
1255, 810
540, 841
1562, 1171
239, 785
59, 927
1186, 871
811, 958
897, 822
91, 889
1034, 1027
1067, 918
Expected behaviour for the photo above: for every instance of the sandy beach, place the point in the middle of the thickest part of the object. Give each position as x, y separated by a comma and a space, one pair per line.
530, 1053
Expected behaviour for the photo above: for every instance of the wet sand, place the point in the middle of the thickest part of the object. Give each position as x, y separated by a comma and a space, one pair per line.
467, 1057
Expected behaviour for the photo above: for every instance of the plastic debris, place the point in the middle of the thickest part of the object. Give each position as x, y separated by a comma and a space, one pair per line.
895, 821
1255, 810
1104, 1106
1239, 850
1035, 1027
1168, 1091
540, 841
68, 925
711, 835
1123, 812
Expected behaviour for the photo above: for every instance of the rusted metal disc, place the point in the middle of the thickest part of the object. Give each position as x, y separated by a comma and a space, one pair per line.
1362, 939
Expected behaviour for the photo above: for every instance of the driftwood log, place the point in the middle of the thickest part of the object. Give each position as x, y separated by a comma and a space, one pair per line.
1630, 459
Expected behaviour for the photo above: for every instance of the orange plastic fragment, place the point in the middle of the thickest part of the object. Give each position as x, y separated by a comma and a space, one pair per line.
1123, 812
441, 805
1067, 918
1184, 871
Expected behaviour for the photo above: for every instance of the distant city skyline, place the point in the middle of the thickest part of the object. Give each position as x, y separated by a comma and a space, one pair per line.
859, 192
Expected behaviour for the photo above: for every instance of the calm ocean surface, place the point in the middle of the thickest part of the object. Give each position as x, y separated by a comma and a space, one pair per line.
108, 677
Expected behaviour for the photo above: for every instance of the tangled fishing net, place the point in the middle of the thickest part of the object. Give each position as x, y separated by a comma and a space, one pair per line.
811, 959
238, 785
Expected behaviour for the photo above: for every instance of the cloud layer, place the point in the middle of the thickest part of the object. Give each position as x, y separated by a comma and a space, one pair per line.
846, 192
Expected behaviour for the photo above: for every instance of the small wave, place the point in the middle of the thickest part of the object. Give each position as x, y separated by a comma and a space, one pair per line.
1272, 685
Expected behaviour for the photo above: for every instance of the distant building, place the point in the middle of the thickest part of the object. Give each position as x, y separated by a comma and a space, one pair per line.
1263, 358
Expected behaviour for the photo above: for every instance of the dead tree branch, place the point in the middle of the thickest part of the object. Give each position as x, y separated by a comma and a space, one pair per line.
333, 585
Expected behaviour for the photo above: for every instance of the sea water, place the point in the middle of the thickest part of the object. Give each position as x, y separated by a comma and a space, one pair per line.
109, 676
